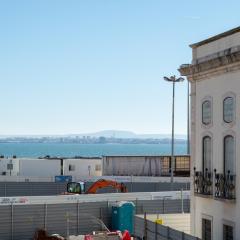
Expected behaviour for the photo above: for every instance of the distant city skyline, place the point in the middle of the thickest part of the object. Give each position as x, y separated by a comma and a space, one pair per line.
81, 67
104, 133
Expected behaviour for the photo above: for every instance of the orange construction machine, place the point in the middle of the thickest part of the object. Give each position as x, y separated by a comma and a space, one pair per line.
79, 187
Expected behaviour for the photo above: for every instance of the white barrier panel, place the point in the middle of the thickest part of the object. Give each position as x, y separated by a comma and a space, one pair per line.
94, 179
135, 179
94, 197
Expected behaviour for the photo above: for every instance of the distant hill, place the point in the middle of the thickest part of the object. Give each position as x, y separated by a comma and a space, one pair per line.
111, 134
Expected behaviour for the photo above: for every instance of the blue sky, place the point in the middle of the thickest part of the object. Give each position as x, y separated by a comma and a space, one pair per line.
83, 66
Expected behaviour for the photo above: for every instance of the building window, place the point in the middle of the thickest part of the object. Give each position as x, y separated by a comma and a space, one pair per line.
98, 167
9, 166
206, 229
71, 167
206, 112
229, 152
228, 109
227, 232
207, 154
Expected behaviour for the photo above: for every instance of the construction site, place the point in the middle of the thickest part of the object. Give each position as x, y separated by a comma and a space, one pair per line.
104, 209
125, 200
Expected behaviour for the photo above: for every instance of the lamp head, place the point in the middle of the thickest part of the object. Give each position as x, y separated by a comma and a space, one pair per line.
173, 79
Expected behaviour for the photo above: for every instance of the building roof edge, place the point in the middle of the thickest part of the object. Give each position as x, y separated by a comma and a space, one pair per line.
216, 37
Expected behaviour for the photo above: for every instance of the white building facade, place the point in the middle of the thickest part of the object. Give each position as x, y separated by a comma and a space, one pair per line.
83, 167
215, 136
39, 167
50, 167
9, 166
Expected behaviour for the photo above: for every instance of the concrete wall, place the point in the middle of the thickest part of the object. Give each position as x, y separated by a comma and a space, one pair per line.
83, 167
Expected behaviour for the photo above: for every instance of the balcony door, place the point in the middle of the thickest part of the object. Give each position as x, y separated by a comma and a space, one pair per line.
229, 155
207, 154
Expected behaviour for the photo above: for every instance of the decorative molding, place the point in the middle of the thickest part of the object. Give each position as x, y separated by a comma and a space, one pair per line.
228, 62
212, 56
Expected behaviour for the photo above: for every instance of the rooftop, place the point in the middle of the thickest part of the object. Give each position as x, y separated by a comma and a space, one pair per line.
216, 37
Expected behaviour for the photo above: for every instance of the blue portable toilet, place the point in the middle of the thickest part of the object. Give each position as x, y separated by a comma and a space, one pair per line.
123, 216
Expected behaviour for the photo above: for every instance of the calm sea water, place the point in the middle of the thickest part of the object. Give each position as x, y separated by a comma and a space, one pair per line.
90, 150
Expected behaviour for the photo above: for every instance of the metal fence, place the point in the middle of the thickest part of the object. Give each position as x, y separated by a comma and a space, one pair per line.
148, 230
9, 189
19, 222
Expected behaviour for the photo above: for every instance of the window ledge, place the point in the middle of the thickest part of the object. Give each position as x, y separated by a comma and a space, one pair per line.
203, 195
225, 200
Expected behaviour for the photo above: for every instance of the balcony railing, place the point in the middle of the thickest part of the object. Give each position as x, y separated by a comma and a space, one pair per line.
203, 182
225, 185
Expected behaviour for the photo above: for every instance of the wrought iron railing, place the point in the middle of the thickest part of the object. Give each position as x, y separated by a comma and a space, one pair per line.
203, 182
225, 185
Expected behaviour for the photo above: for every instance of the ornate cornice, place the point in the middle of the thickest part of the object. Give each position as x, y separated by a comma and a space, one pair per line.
216, 64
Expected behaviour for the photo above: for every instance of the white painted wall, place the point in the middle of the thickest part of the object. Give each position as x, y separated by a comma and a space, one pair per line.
216, 87
218, 210
49, 168
83, 167
39, 167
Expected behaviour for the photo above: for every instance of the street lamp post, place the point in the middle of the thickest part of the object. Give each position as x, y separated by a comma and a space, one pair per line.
188, 127
174, 80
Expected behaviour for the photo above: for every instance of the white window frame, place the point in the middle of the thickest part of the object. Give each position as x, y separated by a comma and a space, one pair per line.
233, 96
232, 134
210, 99
211, 153
229, 223
206, 134
208, 217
